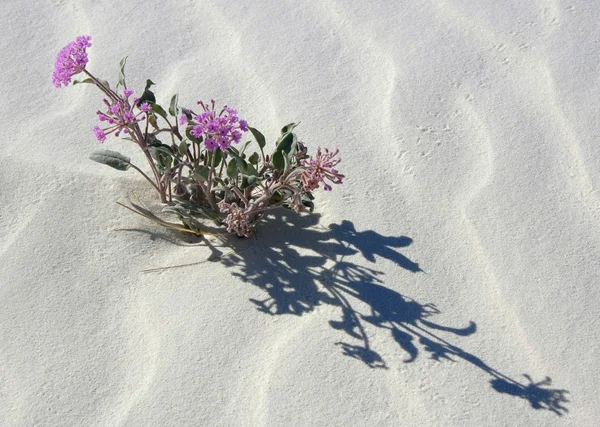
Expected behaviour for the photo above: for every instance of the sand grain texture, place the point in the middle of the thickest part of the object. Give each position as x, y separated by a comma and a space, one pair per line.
453, 272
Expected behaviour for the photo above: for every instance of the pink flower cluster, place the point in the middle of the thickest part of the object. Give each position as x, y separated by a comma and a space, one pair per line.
218, 131
119, 116
321, 168
236, 220
71, 60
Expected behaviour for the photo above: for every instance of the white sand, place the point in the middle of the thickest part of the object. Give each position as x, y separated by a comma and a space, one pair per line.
468, 127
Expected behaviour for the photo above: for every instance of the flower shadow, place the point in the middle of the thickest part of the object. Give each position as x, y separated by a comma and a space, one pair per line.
300, 266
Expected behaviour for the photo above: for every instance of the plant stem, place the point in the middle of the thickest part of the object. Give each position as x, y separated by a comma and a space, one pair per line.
222, 165
141, 141
210, 200
101, 86
239, 193
174, 131
210, 172
145, 176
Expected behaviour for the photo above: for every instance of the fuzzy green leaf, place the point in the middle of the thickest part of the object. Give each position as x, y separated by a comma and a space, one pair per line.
158, 110
232, 168
286, 163
285, 147
148, 95
278, 162
244, 147
88, 80
152, 121
173, 109
288, 128
218, 156
247, 181
122, 72
182, 149
254, 158
111, 158
260, 138
308, 203
287, 143
249, 169
162, 153
201, 173
242, 164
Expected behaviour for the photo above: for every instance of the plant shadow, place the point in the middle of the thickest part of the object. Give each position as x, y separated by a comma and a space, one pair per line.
299, 266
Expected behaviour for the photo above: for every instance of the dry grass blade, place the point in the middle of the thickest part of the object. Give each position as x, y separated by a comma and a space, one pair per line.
149, 215
146, 213
210, 258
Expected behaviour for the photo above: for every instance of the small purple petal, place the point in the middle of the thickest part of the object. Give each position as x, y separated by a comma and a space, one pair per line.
100, 136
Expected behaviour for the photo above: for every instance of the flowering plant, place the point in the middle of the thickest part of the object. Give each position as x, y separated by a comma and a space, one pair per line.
199, 172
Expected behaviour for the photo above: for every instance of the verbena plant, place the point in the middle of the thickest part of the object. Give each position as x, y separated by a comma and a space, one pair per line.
198, 164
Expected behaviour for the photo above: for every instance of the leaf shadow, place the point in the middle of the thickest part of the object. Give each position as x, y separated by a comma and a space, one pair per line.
300, 266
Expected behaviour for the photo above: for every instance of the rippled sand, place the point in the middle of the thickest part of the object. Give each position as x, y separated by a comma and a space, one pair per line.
452, 280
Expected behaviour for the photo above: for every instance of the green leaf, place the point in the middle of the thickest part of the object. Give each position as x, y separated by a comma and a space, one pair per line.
201, 173
242, 164
307, 202
244, 147
232, 168
286, 163
278, 162
285, 147
288, 128
152, 120
219, 181
105, 83
260, 138
287, 143
249, 169
247, 181
148, 95
276, 197
187, 113
189, 209
218, 156
112, 159
166, 162
88, 80
163, 154
182, 149
160, 147
158, 110
254, 159
122, 72
173, 105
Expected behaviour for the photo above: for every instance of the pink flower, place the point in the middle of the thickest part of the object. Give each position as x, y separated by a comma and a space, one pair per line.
219, 130
236, 220
320, 168
99, 134
120, 116
71, 60
211, 144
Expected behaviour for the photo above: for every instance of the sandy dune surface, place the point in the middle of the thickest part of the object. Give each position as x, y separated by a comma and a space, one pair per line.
452, 280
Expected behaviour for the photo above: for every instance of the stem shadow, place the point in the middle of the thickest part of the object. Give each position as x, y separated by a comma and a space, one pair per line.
300, 266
